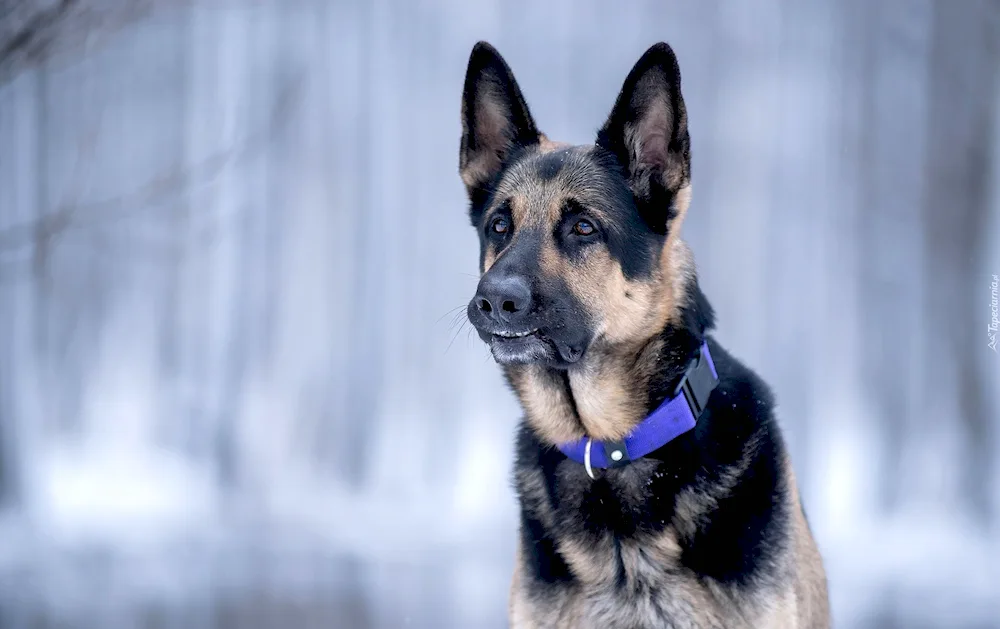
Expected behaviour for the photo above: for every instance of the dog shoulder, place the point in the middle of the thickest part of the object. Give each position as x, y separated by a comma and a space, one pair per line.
754, 533
734, 517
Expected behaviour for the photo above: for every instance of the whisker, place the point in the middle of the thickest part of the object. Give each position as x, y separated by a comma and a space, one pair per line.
448, 313
455, 336
460, 318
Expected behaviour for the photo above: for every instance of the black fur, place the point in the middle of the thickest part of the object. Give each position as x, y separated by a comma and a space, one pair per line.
549, 165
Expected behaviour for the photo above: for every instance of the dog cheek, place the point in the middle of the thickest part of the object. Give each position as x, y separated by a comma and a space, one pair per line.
617, 306
632, 310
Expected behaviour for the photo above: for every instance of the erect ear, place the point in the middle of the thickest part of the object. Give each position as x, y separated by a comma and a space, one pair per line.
648, 132
495, 118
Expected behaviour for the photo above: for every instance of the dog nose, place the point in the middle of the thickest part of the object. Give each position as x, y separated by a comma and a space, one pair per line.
504, 298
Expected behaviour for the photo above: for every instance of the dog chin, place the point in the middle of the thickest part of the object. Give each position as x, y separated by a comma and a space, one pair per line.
533, 350
522, 351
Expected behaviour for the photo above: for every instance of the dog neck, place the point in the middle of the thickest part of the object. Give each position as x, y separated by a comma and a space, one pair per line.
612, 389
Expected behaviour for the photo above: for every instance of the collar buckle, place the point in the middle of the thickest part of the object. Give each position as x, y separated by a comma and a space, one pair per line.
697, 384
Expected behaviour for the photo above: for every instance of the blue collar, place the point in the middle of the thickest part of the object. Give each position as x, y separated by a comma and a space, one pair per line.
675, 416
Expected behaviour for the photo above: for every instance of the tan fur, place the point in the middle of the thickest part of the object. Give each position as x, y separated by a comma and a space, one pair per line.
602, 389
811, 600
488, 259
677, 262
546, 403
519, 612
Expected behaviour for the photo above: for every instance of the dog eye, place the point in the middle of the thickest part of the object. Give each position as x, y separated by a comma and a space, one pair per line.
583, 228
500, 225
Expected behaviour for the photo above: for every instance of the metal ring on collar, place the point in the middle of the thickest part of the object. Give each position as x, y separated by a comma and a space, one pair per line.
586, 460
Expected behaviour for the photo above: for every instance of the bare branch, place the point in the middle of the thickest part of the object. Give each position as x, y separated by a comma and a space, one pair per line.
32, 31
40, 233
28, 37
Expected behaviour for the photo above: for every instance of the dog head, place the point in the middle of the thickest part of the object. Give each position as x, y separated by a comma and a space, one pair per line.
578, 244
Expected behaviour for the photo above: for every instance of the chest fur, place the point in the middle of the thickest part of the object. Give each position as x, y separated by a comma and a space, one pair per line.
641, 585
641, 547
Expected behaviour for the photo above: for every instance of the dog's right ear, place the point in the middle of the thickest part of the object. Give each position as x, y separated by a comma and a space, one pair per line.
495, 120
647, 131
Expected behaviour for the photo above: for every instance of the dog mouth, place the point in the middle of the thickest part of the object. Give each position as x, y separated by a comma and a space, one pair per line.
539, 341
521, 347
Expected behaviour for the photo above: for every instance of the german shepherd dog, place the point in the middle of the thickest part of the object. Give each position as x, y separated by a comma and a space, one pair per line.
655, 489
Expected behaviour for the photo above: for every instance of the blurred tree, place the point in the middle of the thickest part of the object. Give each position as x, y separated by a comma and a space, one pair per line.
962, 87
33, 30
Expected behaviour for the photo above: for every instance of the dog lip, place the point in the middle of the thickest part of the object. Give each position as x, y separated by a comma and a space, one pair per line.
524, 348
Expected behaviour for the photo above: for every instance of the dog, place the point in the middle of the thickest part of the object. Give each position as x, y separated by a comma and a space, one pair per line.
655, 489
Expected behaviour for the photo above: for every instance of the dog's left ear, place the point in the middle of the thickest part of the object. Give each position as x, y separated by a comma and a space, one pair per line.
495, 119
648, 132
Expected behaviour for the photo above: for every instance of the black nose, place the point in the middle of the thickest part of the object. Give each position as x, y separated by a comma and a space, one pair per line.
504, 298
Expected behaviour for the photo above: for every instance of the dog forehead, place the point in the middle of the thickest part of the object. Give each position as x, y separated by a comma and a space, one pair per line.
538, 184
